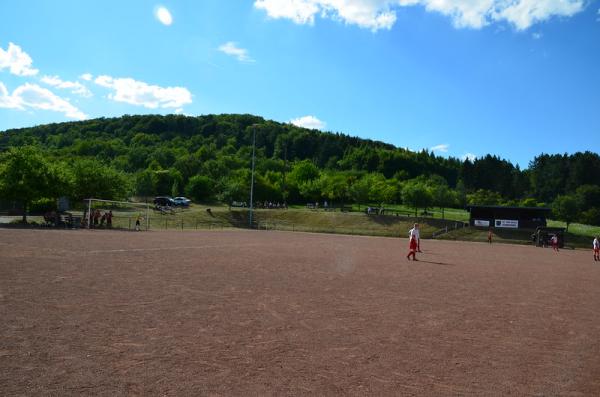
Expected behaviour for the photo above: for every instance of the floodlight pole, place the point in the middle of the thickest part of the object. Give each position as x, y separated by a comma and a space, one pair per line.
252, 180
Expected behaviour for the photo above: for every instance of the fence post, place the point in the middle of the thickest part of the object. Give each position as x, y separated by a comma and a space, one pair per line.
165, 223
182, 224
129, 223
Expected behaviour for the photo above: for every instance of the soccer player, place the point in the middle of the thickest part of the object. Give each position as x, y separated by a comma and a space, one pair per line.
414, 232
596, 245
554, 241
412, 246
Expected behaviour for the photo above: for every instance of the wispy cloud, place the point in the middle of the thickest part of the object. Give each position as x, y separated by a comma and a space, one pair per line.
163, 15
537, 35
230, 48
140, 93
75, 86
468, 156
381, 14
17, 61
32, 96
443, 148
308, 122
86, 77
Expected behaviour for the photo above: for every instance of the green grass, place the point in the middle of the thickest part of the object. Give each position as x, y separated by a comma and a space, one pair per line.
294, 219
578, 229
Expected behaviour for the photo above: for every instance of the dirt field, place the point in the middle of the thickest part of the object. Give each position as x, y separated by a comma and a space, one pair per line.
275, 313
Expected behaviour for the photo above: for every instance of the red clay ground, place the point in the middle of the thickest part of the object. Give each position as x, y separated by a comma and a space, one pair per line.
272, 313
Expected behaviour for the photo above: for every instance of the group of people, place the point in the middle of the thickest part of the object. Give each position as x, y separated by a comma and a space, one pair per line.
270, 205
98, 219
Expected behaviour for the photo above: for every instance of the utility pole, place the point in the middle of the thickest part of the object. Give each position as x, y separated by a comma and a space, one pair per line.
284, 171
252, 181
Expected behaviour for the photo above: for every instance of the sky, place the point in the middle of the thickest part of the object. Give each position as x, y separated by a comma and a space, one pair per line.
463, 78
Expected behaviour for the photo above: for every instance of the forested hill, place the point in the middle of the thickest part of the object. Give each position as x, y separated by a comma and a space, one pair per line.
164, 154
165, 139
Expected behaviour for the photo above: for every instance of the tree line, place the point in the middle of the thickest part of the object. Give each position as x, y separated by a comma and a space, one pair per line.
208, 158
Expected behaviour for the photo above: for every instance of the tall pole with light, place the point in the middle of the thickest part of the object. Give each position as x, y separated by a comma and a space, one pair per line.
252, 180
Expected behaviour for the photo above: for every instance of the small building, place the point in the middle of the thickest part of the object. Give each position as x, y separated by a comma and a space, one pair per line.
507, 217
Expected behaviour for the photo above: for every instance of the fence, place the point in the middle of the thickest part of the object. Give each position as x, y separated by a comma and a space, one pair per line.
446, 229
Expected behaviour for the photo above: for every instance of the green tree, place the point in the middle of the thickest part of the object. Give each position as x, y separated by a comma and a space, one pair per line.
334, 187
359, 191
484, 197
416, 194
566, 208
93, 179
27, 175
442, 196
589, 196
199, 188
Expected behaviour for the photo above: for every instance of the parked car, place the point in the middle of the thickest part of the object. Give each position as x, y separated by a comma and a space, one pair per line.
182, 201
164, 201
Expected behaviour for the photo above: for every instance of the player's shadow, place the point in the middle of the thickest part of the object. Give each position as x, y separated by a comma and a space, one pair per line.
436, 263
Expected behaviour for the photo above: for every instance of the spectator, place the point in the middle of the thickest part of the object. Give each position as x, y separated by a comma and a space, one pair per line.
109, 217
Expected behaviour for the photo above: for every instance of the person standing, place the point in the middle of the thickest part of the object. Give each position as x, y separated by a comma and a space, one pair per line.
138, 222
490, 236
596, 245
109, 217
414, 232
412, 248
554, 241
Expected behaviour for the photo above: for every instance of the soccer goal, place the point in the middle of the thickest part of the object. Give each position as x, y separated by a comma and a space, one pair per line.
109, 214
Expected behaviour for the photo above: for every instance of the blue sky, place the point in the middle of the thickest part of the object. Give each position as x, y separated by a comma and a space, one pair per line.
463, 77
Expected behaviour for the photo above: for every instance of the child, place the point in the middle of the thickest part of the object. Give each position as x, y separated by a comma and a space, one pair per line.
596, 245
412, 246
490, 236
137, 223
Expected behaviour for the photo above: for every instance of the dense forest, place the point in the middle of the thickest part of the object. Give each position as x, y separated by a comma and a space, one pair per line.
208, 158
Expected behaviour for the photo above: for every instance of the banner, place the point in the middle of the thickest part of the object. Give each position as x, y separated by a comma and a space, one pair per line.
508, 223
479, 222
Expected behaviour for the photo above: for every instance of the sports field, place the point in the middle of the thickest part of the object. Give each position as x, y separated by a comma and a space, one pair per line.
275, 313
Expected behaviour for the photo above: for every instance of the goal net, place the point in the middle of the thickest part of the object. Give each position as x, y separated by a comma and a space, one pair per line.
108, 214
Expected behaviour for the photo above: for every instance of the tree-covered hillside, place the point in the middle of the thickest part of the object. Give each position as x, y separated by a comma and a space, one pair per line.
208, 158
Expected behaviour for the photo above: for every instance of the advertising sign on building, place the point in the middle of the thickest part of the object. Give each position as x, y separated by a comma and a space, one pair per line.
508, 223
479, 222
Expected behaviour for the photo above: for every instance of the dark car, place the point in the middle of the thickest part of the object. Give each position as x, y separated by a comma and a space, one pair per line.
163, 202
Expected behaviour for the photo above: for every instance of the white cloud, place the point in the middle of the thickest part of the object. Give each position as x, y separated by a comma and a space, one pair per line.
7, 101
163, 15
468, 156
381, 14
231, 48
308, 122
86, 77
443, 148
32, 96
75, 86
537, 35
17, 61
139, 93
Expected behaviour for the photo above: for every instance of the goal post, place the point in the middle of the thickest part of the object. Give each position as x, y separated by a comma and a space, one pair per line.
100, 213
